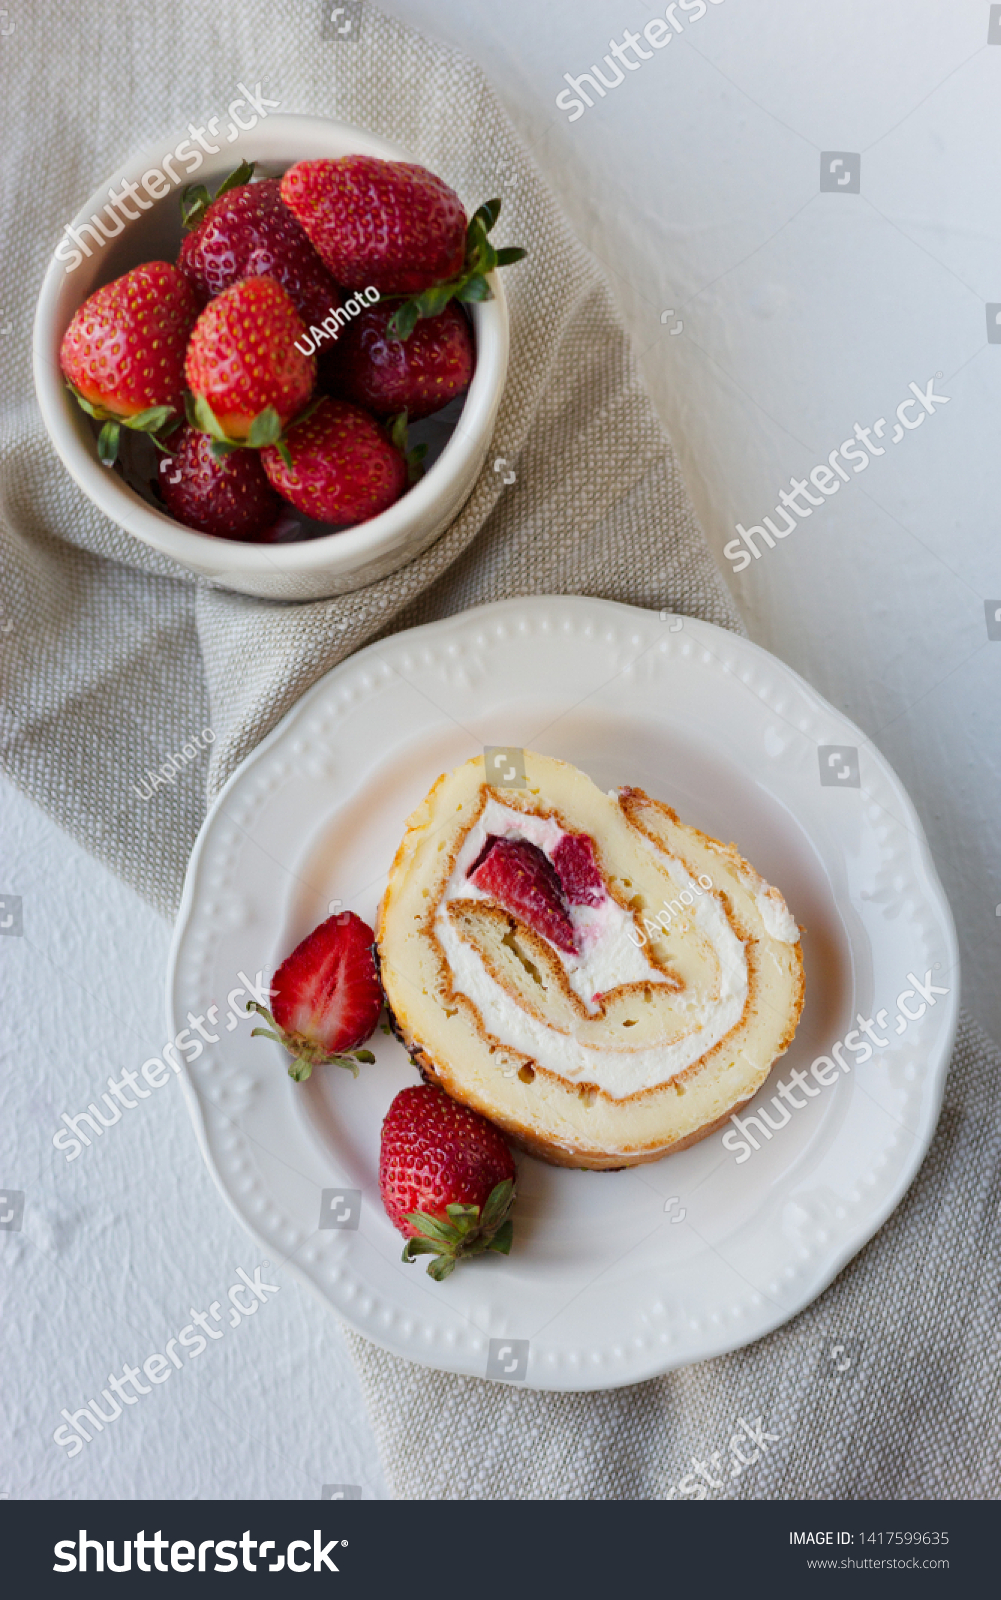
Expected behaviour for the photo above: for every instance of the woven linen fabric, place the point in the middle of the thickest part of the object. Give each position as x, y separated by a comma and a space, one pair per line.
885, 1388
113, 658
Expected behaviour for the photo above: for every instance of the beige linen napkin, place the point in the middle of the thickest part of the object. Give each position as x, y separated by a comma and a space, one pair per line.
113, 659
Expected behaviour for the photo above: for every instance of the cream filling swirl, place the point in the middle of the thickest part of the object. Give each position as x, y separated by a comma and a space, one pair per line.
607, 958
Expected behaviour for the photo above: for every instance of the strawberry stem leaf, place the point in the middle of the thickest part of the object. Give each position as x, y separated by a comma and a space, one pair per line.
153, 420
107, 443
413, 457
201, 416
97, 412
265, 429
469, 285
476, 289
306, 1053
465, 1230
398, 432
195, 197
241, 174
403, 321
165, 433
502, 1239
419, 1247
498, 1203
487, 214
440, 1267
195, 201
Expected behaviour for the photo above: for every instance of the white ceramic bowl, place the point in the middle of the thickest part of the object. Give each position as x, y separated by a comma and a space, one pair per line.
312, 569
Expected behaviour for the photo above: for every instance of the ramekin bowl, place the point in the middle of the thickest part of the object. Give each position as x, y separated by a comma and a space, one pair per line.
311, 569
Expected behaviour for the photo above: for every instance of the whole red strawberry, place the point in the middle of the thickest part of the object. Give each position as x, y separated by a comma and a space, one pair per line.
386, 223
123, 352
418, 375
446, 1177
247, 231
228, 495
344, 469
242, 361
326, 997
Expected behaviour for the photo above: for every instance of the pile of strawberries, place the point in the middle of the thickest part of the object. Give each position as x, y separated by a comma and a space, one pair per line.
446, 1175
306, 322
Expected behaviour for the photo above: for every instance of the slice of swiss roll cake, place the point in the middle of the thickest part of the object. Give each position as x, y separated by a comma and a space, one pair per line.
603, 982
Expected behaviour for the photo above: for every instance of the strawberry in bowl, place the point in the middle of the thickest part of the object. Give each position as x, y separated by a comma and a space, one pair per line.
397, 227
244, 370
247, 232
389, 223
339, 466
241, 234
418, 375
123, 353
226, 495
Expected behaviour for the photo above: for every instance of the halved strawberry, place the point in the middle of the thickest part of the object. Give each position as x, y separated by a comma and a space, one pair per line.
522, 879
247, 377
326, 997
123, 352
446, 1177
578, 870
229, 497
418, 375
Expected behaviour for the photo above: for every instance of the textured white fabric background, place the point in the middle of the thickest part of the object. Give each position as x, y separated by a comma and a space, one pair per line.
696, 186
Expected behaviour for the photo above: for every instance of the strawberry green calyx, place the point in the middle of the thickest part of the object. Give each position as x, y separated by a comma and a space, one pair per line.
266, 428
470, 284
467, 1232
306, 1053
413, 457
195, 198
157, 421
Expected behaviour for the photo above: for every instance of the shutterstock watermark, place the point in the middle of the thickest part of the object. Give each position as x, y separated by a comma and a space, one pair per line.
828, 478
159, 181
175, 763
72, 1554
156, 1071
824, 1070
697, 1484
74, 1433
658, 33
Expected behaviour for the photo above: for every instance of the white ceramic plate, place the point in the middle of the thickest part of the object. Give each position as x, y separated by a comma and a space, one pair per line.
614, 1277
